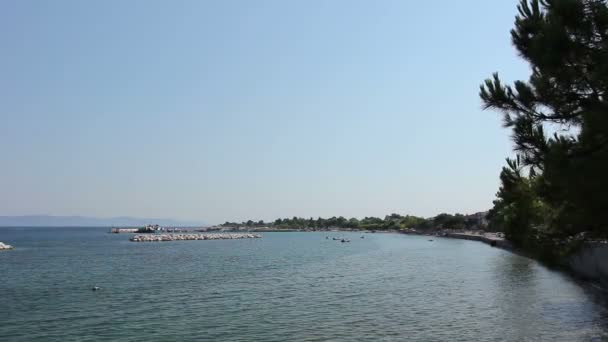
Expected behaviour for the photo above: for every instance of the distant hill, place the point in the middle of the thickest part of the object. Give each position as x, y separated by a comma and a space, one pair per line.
82, 221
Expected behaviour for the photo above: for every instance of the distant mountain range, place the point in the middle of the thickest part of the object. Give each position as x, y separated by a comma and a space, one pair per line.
83, 221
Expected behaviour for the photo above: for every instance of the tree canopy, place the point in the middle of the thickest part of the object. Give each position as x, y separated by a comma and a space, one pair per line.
390, 222
555, 187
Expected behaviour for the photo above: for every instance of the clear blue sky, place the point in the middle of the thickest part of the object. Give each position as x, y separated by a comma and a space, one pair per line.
230, 110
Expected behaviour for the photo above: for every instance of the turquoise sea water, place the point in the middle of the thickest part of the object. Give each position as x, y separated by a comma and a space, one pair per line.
283, 287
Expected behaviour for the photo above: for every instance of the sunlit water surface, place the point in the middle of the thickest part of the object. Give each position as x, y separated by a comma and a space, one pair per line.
283, 287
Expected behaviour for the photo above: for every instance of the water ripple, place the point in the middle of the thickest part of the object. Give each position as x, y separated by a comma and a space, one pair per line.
284, 287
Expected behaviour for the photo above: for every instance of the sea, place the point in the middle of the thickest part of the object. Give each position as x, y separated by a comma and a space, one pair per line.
285, 287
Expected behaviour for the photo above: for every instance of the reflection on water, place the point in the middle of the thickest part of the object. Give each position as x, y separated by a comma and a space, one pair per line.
284, 287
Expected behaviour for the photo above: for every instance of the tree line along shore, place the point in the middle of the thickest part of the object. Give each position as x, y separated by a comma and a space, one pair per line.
392, 222
551, 201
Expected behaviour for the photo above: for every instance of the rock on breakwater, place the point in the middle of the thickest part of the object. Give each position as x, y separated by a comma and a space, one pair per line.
4, 246
181, 237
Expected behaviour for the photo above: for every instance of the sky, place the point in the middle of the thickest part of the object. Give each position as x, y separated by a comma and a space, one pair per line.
234, 110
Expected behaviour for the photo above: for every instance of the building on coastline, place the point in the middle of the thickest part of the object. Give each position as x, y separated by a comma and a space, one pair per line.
147, 229
150, 229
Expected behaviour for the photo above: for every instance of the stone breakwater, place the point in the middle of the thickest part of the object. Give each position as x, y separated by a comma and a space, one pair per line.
181, 237
4, 246
491, 239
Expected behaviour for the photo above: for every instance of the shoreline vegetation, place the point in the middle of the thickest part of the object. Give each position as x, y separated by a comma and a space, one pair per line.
392, 222
587, 262
458, 226
551, 201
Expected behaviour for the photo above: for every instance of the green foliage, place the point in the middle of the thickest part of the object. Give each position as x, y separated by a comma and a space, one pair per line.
411, 221
390, 222
518, 210
559, 123
443, 220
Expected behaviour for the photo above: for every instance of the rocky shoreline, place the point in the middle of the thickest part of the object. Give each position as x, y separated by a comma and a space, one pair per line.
185, 237
588, 264
491, 239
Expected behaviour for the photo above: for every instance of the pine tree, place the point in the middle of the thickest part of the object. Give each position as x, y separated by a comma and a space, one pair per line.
559, 117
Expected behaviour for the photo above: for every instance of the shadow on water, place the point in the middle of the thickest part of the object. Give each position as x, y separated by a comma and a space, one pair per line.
563, 308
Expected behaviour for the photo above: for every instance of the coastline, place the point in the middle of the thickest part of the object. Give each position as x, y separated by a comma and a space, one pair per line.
589, 265
386, 261
488, 238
